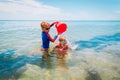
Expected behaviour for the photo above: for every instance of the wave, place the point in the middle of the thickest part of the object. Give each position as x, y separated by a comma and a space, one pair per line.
98, 42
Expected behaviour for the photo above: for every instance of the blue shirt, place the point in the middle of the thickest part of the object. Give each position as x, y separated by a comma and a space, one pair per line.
46, 39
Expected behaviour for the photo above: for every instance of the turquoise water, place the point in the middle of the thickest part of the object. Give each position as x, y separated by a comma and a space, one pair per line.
95, 53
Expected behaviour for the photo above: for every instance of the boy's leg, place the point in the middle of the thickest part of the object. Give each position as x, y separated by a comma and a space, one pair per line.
45, 54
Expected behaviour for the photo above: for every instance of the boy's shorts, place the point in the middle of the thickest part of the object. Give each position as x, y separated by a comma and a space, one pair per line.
44, 49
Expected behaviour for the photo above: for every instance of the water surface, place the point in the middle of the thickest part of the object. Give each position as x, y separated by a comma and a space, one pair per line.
95, 53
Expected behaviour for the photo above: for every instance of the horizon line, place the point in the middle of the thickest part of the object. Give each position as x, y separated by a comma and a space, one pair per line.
59, 20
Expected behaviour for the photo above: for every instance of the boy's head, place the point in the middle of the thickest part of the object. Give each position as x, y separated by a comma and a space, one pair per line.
45, 26
62, 40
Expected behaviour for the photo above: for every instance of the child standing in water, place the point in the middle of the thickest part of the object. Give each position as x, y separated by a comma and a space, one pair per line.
61, 48
46, 38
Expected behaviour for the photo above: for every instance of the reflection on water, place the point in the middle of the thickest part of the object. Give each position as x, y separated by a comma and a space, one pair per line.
61, 63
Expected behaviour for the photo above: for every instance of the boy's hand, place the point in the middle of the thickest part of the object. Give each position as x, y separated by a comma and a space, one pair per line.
56, 22
58, 34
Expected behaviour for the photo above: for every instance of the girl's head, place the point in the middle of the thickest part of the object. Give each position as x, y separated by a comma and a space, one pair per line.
62, 40
45, 26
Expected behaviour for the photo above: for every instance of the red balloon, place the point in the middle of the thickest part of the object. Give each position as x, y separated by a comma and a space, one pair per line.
61, 27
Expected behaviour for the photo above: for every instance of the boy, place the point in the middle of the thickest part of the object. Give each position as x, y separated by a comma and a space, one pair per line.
46, 38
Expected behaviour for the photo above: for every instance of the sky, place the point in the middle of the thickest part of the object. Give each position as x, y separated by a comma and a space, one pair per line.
59, 9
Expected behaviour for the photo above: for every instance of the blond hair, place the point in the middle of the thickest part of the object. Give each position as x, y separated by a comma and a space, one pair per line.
44, 24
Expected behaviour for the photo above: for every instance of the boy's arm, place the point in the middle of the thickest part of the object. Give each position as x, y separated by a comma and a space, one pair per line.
52, 39
53, 23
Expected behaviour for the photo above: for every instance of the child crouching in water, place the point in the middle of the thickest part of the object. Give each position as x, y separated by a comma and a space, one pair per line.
61, 48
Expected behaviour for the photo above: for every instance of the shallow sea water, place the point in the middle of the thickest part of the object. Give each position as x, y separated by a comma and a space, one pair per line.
94, 52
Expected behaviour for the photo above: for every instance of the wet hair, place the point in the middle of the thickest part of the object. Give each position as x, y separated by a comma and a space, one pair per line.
61, 38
